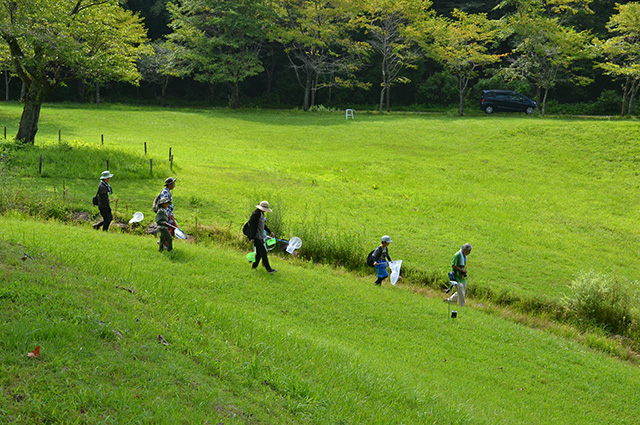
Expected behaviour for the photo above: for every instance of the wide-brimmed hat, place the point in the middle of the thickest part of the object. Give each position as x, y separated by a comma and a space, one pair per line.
164, 200
264, 206
386, 239
170, 180
106, 175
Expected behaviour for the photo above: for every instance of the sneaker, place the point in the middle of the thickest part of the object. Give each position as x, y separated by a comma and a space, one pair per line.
272, 271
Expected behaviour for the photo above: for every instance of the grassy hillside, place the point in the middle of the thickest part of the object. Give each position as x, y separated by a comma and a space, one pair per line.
541, 200
307, 345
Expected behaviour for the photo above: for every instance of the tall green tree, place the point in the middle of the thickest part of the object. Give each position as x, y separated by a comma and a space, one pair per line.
621, 52
387, 25
220, 40
545, 51
51, 42
462, 44
317, 38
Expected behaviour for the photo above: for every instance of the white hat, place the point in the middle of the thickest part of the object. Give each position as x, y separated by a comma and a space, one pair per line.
106, 175
264, 206
386, 239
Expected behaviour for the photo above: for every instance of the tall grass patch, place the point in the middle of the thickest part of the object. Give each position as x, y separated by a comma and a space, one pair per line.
597, 299
76, 160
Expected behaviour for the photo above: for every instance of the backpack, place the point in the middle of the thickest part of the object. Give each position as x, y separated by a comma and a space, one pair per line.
95, 199
370, 259
155, 204
245, 230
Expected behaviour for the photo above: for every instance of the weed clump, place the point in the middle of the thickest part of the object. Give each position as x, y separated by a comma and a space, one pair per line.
596, 299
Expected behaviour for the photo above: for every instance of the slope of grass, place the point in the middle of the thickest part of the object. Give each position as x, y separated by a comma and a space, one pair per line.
306, 345
541, 200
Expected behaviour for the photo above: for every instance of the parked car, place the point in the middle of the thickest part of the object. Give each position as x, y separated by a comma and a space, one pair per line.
506, 100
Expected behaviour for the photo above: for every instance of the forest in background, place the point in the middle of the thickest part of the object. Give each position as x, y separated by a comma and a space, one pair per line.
426, 84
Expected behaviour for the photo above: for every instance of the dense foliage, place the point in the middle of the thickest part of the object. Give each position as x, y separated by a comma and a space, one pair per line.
354, 53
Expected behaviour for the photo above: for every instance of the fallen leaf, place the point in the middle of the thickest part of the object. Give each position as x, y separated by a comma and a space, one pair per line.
162, 340
35, 353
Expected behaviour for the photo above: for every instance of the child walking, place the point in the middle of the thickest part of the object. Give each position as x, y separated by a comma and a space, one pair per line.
379, 255
162, 219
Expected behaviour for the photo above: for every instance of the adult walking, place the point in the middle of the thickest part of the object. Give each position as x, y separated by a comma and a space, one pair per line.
104, 190
169, 185
257, 228
459, 269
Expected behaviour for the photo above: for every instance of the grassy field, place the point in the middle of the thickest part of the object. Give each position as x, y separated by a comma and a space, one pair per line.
541, 200
309, 344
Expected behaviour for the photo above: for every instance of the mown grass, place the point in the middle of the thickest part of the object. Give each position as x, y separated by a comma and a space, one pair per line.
307, 345
542, 201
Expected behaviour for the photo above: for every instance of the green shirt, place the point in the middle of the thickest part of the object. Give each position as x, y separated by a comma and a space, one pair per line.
459, 260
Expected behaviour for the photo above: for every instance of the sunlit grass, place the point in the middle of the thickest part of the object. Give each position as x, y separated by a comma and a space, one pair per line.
540, 199
306, 345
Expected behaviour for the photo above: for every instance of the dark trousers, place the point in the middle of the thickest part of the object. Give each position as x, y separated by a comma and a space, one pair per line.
107, 218
166, 241
261, 254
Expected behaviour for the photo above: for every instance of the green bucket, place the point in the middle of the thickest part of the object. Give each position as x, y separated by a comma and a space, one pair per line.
251, 257
271, 242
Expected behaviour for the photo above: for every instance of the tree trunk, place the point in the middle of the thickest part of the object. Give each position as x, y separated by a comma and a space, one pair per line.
97, 93
382, 97
634, 91
7, 79
234, 102
31, 112
388, 97
307, 92
544, 101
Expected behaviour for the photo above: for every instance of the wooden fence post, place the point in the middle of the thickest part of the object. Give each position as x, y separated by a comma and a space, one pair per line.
59, 136
102, 139
171, 163
107, 165
151, 166
145, 148
40, 168
169, 153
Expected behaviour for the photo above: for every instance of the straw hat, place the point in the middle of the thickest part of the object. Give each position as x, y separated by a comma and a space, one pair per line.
169, 180
264, 206
106, 175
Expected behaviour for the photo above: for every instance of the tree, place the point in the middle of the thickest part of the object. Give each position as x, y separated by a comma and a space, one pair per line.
5, 67
622, 52
546, 51
461, 44
317, 40
220, 39
54, 41
386, 23
159, 67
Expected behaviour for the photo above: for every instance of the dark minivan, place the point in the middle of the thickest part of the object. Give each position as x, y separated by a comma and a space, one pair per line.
506, 100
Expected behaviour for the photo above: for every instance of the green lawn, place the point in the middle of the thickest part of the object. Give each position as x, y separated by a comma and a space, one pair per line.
309, 344
539, 199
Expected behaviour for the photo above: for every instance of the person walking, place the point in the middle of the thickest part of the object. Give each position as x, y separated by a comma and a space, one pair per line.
169, 185
257, 228
380, 254
104, 190
162, 219
459, 269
